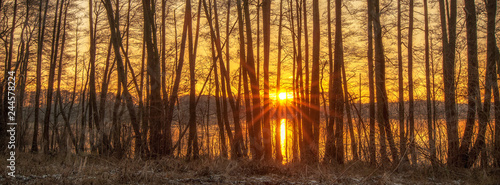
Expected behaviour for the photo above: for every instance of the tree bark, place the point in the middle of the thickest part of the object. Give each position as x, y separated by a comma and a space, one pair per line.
448, 30
430, 129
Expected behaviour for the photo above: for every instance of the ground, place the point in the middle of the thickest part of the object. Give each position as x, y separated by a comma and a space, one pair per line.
92, 169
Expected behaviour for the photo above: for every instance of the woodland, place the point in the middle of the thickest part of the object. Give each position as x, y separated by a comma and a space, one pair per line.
251, 91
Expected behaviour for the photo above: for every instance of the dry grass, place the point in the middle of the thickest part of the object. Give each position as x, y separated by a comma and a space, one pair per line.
91, 169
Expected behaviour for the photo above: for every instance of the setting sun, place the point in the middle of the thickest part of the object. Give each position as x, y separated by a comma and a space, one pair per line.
284, 95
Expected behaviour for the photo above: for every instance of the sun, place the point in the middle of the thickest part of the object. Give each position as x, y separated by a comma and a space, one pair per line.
282, 96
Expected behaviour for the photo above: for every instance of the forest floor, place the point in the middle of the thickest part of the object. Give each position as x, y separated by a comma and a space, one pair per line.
91, 169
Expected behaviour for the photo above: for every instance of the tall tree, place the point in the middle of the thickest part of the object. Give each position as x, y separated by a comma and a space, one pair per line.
371, 146
382, 104
155, 100
401, 108
448, 28
52, 66
430, 129
266, 126
494, 54
278, 153
116, 40
490, 81
254, 85
41, 33
337, 85
354, 145
193, 134
411, 109
173, 93
330, 137
245, 68
473, 95
315, 104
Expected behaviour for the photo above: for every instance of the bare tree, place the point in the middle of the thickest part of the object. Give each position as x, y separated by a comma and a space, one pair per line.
411, 108
430, 129
41, 33
382, 105
448, 29
372, 147
266, 126
315, 93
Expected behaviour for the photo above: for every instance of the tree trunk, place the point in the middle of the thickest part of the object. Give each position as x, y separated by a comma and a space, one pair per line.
354, 145
473, 95
256, 124
448, 30
411, 110
193, 135
490, 76
266, 126
41, 33
330, 135
401, 109
382, 104
430, 129
278, 153
372, 147
50, 88
116, 39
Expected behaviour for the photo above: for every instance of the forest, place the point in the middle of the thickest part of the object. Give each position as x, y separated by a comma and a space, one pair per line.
250, 91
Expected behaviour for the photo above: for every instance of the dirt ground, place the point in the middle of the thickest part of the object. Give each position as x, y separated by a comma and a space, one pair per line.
91, 169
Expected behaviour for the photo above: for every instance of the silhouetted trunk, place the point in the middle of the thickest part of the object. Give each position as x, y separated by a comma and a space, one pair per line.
382, 104
354, 145
41, 33
52, 66
490, 76
277, 136
372, 147
266, 126
155, 100
430, 129
244, 66
330, 137
175, 89
473, 95
256, 124
193, 135
116, 40
295, 147
337, 84
411, 110
401, 108
448, 31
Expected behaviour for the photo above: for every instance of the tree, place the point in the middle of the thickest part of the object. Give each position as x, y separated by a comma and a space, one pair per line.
473, 95
430, 129
330, 137
371, 146
193, 134
315, 104
337, 85
279, 156
411, 108
401, 108
490, 81
116, 40
266, 126
52, 66
41, 33
382, 105
448, 29
254, 86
